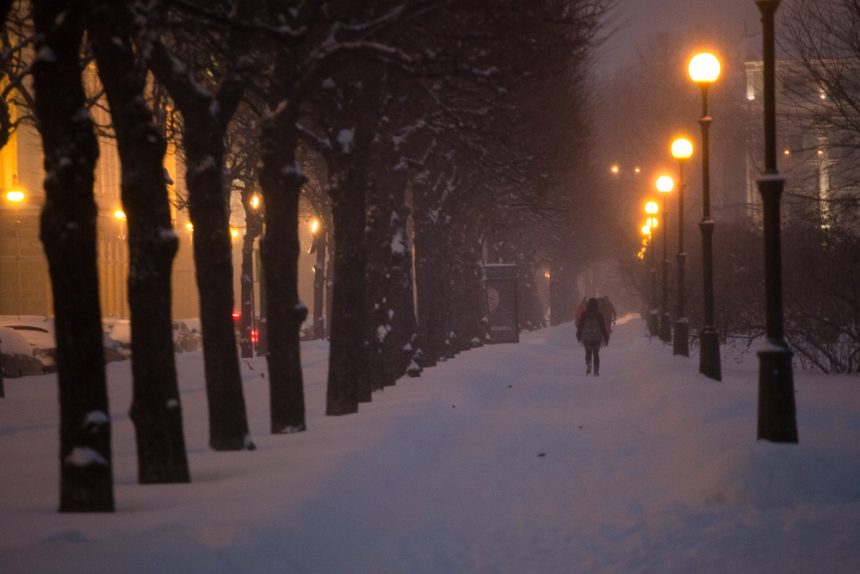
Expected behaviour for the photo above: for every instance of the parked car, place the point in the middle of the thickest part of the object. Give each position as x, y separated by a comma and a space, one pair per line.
183, 338
121, 334
39, 333
196, 331
112, 349
16, 355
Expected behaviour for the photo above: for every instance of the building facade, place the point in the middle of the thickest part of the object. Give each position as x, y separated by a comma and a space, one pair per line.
818, 150
24, 278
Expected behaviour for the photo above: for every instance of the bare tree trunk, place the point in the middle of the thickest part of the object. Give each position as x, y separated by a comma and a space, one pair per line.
68, 232
209, 210
348, 381
348, 376
5, 115
281, 179
206, 116
155, 409
389, 280
246, 319
431, 288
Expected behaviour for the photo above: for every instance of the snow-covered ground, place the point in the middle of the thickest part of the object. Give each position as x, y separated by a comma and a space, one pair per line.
507, 459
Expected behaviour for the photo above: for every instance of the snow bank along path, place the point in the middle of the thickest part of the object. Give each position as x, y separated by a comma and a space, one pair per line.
506, 459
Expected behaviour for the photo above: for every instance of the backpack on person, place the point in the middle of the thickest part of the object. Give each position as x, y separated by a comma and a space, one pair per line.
591, 332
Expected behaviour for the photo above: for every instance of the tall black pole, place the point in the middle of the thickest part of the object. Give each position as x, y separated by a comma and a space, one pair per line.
665, 319
680, 342
709, 358
653, 309
777, 420
319, 286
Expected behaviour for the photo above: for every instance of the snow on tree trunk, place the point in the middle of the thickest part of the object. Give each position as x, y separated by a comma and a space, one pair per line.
209, 210
281, 179
68, 233
155, 408
359, 110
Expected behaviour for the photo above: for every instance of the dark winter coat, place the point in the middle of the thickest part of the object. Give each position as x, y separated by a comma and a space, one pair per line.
591, 328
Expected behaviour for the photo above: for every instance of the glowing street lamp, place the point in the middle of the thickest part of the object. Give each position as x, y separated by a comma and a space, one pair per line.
652, 208
255, 202
682, 150
777, 418
119, 215
17, 196
704, 70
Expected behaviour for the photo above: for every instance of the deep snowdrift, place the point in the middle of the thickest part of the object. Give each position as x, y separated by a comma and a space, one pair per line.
506, 459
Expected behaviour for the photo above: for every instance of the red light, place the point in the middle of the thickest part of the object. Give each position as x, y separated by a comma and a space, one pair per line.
236, 315
255, 336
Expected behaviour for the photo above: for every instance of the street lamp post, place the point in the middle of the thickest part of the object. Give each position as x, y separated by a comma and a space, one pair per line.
16, 197
318, 246
665, 184
653, 320
682, 150
704, 70
777, 419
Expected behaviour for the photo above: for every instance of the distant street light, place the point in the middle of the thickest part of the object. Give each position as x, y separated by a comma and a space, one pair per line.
318, 246
704, 70
777, 418
665, 185
682, 150
16, 197
652, 319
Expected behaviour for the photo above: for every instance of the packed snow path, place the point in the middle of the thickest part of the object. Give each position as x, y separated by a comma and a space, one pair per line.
506, 459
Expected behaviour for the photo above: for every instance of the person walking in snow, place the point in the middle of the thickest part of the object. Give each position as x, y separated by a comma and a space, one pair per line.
591, 331
607, 310
580, 309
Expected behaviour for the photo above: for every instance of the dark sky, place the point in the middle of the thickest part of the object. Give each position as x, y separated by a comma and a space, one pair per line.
635, 21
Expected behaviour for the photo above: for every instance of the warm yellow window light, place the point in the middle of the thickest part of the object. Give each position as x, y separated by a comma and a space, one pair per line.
665, 184
704, 68
652, 207
682, 148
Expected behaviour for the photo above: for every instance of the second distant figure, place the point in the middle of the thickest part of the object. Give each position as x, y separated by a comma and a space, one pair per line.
591, 331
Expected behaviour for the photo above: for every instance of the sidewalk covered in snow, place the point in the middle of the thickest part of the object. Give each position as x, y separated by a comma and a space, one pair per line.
506, 459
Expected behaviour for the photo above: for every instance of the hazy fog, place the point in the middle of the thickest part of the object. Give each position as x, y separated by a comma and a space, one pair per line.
635, 21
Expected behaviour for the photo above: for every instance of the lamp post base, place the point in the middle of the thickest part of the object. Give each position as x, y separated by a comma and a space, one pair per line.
777, 418
653, 320
709, 354
680, 342
665, 328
